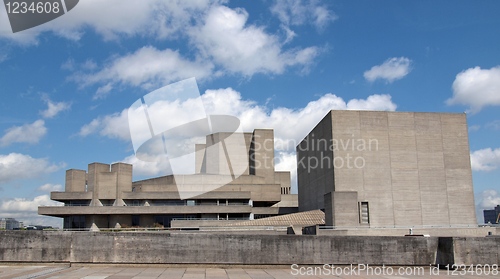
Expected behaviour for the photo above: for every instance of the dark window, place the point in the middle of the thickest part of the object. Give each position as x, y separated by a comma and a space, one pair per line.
135, 220
364, 213
74, 222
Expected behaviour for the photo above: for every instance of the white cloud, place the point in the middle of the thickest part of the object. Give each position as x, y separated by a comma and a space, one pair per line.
160, 166
225, 37
392, 69
220, 41
114, 18
54, 108
26, 210
298, 12
476, 88
50, 188
29, 133
112, 126
290, 125
487, 199
103, 91
20, 166
287, 161
148, 67
22, 204
485, 159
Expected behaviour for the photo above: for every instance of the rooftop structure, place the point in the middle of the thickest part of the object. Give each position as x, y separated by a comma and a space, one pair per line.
369, 169
105, 196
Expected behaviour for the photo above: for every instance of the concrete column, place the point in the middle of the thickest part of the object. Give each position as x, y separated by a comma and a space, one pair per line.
123, 181
94, 170
262, 154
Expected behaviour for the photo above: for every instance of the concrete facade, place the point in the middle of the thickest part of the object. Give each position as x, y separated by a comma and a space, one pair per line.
231, 182
388, 169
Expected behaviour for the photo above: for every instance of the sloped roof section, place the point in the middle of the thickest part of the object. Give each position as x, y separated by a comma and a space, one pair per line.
307, 218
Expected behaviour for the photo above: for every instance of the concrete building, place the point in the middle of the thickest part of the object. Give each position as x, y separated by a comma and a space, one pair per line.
370, 169
9, 224
105, 196
492, 215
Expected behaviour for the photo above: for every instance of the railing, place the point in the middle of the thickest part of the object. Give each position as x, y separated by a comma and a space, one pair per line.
366, 226
211, 219
166, 204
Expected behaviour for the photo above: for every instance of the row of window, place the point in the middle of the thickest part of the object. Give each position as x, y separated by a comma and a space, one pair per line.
216, 202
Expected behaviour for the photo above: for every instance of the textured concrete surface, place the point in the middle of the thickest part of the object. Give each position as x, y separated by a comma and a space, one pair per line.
124, 272
206, 248
413, 169
244, 249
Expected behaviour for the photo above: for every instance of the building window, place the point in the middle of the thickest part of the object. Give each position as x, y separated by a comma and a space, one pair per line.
135, 221
364, 213
74, 222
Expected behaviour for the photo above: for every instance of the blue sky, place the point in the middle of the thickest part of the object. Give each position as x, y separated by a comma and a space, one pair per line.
66, 84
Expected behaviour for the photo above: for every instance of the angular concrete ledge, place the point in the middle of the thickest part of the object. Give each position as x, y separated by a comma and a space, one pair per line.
200, 248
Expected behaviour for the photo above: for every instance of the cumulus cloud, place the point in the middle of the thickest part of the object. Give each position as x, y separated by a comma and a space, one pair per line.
54, 108
222, 42
155, 18
293, 12
485, 159
28, 133
26, 210
148, 68
489, 199
22, 204
20, 166
476, 88
290, 125
225, 37
392, 69
50, 188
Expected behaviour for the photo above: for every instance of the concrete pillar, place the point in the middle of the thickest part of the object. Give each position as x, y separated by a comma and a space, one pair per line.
94, 170
200, 162
123, 180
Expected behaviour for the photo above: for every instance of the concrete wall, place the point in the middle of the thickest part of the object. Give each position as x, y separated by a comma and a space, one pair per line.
315, 177
200, 248
440, 232
413, 169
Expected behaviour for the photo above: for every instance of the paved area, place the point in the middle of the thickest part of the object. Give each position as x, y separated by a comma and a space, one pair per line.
124, 272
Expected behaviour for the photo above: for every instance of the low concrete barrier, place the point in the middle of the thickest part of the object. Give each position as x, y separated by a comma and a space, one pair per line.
199, 248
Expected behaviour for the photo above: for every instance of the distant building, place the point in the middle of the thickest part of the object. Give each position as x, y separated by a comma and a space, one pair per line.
9, 224
492, 215
387, 169
106, 197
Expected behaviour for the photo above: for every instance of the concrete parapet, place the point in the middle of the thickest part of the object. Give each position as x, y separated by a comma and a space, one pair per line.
244, 249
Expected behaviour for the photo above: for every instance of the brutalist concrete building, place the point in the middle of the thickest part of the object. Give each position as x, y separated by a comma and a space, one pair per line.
387, 169
105, 196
